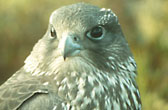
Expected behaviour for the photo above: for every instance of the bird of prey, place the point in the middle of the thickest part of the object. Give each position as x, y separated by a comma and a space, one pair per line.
83, 62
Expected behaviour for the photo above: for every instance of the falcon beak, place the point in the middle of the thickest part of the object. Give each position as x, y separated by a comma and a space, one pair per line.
69, 46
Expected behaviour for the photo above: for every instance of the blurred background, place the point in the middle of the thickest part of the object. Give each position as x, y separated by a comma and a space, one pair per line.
144, 23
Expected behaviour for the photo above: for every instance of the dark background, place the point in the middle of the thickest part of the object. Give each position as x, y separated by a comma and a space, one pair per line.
144, 23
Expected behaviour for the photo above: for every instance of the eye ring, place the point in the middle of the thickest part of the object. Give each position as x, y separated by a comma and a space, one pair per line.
96, 33
53, 33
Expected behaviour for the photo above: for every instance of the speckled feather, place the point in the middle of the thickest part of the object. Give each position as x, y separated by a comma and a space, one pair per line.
101, 77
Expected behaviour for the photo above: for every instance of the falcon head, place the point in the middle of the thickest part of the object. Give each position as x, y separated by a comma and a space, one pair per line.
79, 36
85, 52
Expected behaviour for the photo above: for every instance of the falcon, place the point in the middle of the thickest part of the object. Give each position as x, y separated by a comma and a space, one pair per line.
83, 62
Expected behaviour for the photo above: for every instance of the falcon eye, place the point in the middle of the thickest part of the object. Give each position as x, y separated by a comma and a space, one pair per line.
53, 32
96, 33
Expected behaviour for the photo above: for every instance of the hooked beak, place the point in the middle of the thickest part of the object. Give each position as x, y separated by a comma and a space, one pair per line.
69, 46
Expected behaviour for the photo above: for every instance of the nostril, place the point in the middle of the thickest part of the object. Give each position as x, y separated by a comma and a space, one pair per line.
75, 39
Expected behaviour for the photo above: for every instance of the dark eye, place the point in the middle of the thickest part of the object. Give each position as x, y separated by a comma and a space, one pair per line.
53, 32
96, 33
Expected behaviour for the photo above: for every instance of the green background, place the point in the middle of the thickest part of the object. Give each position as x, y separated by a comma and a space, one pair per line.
144, 23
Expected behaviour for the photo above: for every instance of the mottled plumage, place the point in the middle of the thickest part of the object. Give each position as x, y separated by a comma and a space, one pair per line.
83, 62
